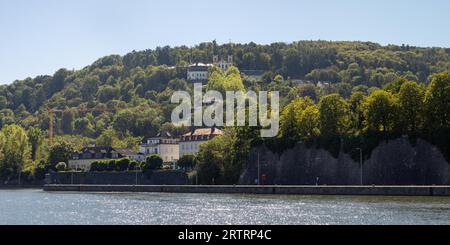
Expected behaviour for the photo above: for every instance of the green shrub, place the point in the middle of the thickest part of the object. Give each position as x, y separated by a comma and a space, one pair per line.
187, 161
39, 172
111, 165
95, 167
122, 164
153, 162
62, 166
99, 166
103, 166
133, 165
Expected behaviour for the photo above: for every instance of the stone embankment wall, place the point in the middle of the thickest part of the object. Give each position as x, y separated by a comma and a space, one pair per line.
119, 178
395, 162
271, 190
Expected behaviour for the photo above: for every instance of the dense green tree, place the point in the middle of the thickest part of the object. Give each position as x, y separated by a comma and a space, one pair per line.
107, 92
357, 111
111, 165
153, 162
292, 62
411, 97
309, 122
334, 116
229, 81
249, 61
437, 101
289, 118
3, 102
67, 122
108, 138
133, 165
36, 140
60, 152
83, 126
122, 164
186, 161
394, 86
308, 90
381, 111
14, 150
210, 162
89, 87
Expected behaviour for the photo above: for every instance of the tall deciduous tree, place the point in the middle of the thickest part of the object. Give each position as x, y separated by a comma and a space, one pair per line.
357, 111
187, 161
411, 97
437, 101
67, 122
36, 139
289, 120
381, 108
60, 152
334, 116
309, 122
210, 161
14, 150
229, 81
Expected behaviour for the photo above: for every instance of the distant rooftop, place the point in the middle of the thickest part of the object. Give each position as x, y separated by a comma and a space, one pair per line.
164, 134
205, 131
126, 152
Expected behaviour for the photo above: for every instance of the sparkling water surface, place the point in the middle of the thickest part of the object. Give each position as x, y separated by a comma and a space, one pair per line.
49, 208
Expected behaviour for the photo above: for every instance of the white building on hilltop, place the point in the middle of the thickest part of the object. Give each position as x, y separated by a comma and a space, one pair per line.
164, 145
190, 142
199, 72
222, 63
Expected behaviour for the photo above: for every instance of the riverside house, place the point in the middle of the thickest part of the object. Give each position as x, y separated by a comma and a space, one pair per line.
190, 142
164, 145
84, 158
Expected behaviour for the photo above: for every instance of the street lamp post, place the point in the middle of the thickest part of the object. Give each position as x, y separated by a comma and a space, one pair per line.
20, 172
137, 170
360, 166
259, 171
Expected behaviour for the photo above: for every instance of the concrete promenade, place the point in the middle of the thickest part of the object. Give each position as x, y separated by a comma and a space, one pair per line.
273, 190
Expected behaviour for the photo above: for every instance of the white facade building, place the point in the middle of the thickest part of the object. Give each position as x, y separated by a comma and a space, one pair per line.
199, 72
127, 153
222, 63
163, 145
84, 158
190, 142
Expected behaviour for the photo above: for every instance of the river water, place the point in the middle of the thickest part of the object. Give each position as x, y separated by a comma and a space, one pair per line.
48, 208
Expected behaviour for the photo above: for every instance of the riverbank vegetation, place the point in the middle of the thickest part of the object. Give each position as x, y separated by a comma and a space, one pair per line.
364, 119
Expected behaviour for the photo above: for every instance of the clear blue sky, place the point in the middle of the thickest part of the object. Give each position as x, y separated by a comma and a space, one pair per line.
38, 37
